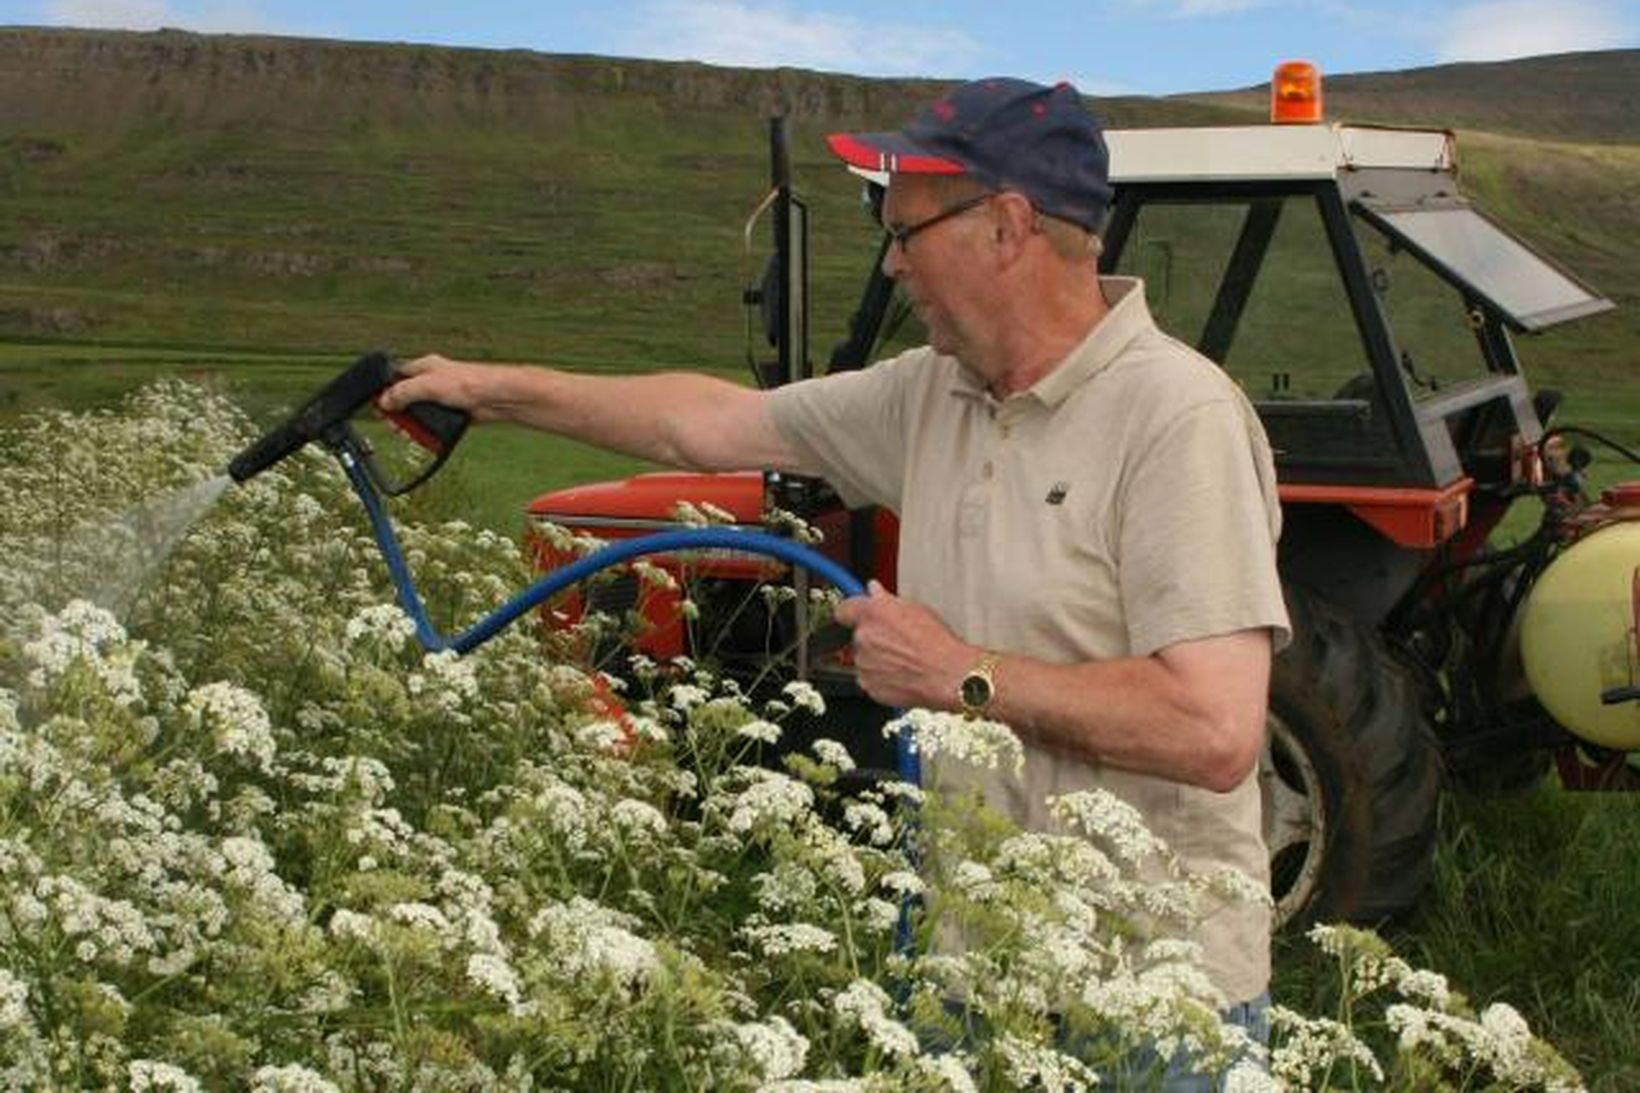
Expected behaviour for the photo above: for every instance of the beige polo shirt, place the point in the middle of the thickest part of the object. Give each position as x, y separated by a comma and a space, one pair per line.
1125, 502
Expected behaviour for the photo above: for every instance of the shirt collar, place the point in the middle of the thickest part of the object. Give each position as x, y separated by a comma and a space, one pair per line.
1127, 318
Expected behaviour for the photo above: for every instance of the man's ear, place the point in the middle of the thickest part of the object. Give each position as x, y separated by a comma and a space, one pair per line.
1015, 219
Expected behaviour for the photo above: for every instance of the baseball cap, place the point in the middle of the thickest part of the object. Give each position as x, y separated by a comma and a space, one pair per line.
1008, 134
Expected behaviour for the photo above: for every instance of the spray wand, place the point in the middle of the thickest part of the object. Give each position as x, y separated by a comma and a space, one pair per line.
327, 417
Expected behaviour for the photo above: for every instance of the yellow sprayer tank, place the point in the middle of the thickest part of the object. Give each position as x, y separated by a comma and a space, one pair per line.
1578, 636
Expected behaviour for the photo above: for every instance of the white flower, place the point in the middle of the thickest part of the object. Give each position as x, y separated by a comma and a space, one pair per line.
772, 799
84, 633
776, 1049
384, 622
1428, 986
869, 820
1104, 815
833, 754
786, 938
447, 678
494, 976
1035, 1066
948, 1070
350, 925
903, 883
236, 720
970, 740
866, 1005
805, 697
420, 916
586, 940
13, 1001
764, 732
145, 1074
1312, 1044
637, 819
290, 1079
686, 696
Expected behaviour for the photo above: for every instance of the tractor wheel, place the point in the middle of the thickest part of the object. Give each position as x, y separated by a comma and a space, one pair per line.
1351, 773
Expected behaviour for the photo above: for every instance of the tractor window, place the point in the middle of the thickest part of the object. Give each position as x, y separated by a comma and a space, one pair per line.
1252, 283
1433, 329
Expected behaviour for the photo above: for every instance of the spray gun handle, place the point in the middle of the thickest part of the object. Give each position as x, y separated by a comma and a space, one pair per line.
432, 425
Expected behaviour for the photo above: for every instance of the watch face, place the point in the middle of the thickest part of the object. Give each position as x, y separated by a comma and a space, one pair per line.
976, 691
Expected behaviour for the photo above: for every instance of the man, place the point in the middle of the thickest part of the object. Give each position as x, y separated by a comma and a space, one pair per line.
1087, 507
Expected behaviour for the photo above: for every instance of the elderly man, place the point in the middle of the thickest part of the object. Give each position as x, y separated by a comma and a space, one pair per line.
1088, 507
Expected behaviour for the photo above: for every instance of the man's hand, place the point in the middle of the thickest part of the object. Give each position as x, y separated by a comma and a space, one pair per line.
904, 654
458, 384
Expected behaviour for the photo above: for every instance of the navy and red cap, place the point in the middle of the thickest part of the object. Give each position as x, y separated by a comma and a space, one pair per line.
1007, 134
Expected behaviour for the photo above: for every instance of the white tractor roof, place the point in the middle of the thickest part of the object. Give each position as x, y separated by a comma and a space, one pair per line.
1271, 152
1252, 153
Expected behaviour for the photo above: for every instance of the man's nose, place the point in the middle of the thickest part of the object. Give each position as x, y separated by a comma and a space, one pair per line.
894, 260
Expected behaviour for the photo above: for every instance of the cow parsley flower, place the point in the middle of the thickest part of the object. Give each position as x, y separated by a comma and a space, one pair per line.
833, 754
775, 1048
866, 1005
146, 1074
773, 799
13, 1001
494, 976
1315, 1043
1036, 1066
786, 938
1112, 820
290, 1079
83, 633
970, 740
764, 732
587, 940
804, 696
234, 717
385, 623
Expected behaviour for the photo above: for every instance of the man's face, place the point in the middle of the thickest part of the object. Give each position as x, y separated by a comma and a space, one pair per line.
935, 256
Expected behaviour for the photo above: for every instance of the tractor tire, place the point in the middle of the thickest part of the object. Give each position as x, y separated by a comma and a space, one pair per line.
1351, 773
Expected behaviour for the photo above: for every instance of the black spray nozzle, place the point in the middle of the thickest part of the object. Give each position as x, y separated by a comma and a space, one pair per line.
325, 417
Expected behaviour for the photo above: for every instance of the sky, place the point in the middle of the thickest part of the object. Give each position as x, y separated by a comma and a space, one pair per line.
1145, 47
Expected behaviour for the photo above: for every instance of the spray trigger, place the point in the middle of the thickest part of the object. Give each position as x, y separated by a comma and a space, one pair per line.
431, 425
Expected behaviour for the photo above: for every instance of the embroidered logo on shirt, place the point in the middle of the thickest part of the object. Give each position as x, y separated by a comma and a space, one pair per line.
1056, 495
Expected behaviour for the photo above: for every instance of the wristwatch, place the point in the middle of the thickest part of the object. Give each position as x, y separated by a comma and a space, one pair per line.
978, 687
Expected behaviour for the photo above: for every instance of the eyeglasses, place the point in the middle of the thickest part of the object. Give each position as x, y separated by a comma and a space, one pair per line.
902, 236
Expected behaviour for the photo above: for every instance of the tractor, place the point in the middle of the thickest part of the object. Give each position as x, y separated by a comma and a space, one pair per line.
1369, 310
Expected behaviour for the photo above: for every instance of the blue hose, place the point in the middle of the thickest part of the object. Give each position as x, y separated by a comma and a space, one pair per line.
755, 542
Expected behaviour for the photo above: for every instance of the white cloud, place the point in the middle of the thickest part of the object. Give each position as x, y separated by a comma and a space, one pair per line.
208, 18
1190, 9
1497, 30
745, 34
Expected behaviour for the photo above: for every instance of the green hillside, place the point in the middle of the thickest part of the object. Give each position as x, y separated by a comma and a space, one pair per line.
172, 196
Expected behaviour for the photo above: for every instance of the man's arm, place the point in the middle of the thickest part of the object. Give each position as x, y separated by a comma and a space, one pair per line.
1192, 712
680, 419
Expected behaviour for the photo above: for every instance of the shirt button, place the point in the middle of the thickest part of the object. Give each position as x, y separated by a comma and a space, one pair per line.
986, 471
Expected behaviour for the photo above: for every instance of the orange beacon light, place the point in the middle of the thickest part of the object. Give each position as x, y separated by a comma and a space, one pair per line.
1295, 93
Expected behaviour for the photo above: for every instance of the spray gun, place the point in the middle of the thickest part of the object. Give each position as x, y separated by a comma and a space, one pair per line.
328, 418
